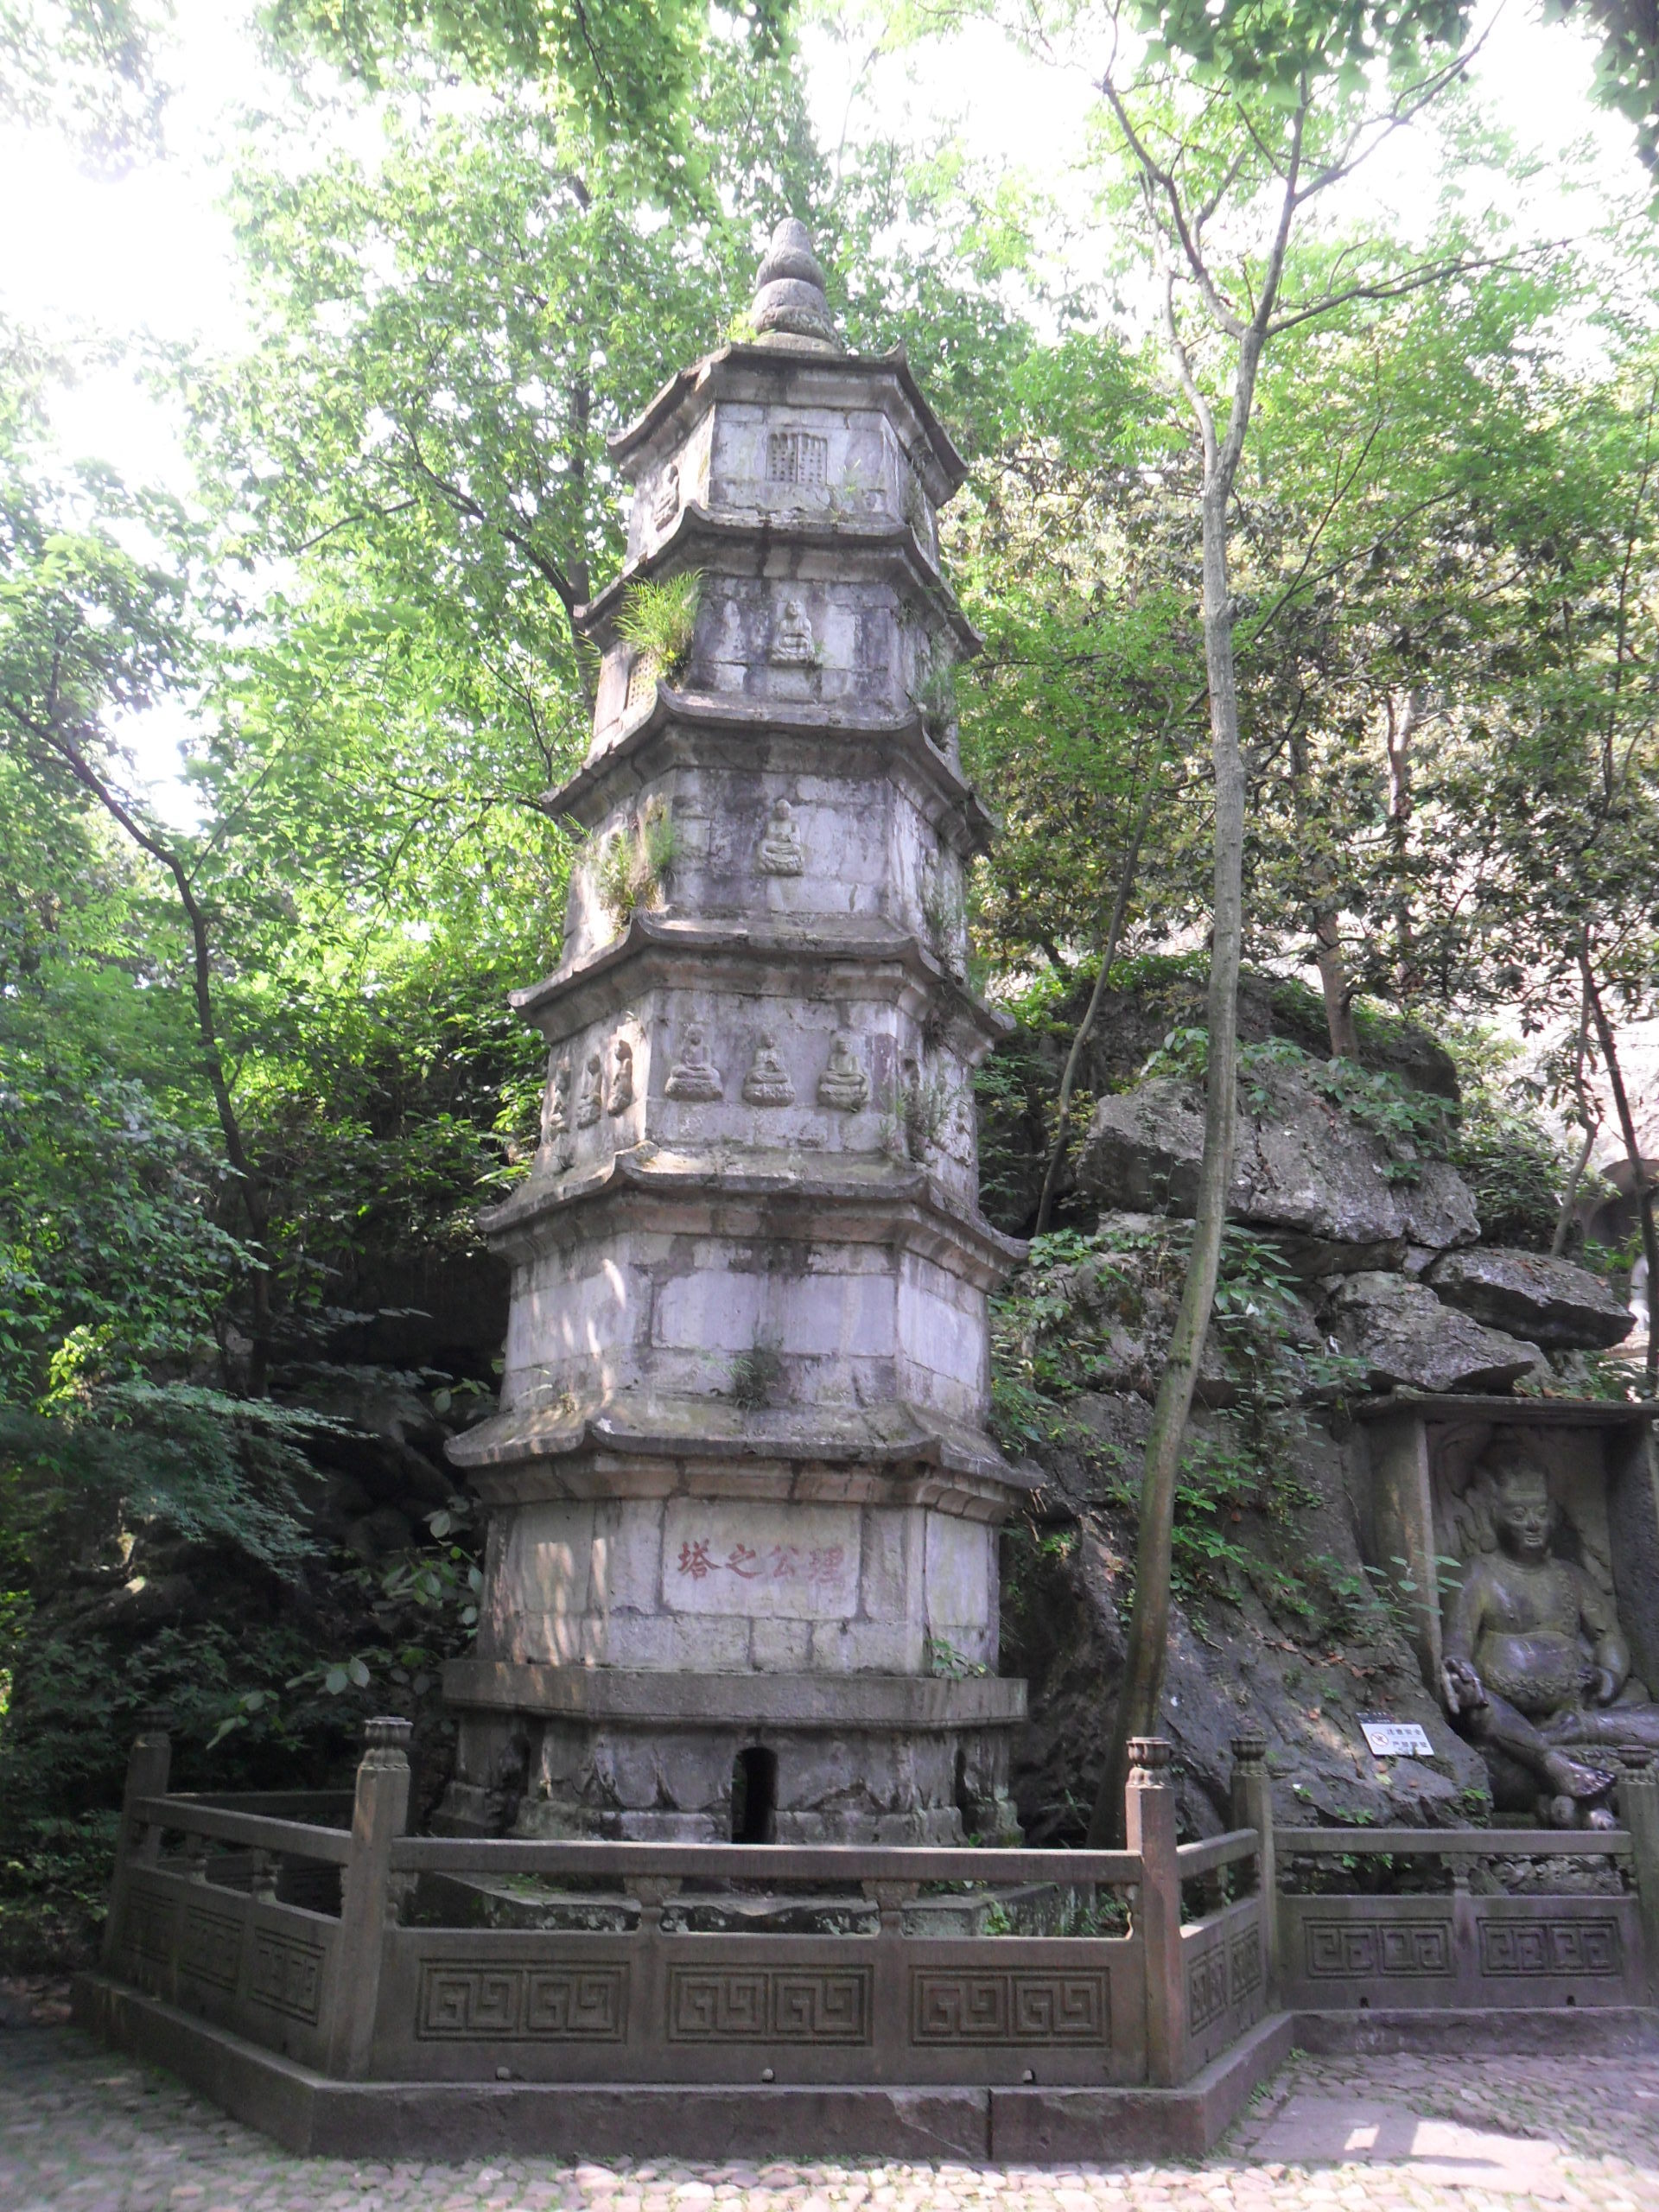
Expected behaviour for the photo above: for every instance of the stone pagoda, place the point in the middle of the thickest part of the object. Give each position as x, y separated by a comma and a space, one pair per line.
741, 1572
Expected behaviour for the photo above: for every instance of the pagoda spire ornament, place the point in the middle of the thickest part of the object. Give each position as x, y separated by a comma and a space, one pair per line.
742, 1504
790, 306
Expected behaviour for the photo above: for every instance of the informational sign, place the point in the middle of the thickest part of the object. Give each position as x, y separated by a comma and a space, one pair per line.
1395, 1740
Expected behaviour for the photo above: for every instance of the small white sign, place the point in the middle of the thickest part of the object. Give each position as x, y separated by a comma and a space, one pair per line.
1396, 1739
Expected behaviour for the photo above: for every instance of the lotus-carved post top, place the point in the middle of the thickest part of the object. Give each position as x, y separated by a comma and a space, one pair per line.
1150, 1760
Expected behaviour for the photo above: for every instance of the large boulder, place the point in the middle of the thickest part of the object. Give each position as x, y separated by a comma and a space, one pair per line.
1301, 1672
1409, 1340
1331, 1193
1550, 1302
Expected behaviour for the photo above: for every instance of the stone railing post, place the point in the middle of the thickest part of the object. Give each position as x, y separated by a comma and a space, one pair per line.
1638, 1805
150, 1762
378, 1820
1253, 1809
1149, 1822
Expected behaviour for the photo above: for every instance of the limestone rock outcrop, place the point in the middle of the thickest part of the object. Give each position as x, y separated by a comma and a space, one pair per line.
1553, 1304
1330, 1191
1409, 1340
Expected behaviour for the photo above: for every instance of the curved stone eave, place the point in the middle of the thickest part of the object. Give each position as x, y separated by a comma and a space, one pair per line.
903, 1444
697, 531
966, 822
675, 407
746, 945
869, 1200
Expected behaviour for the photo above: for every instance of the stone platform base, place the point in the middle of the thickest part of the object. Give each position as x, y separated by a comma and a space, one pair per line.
1553, 2032
645, 1757
308, 2113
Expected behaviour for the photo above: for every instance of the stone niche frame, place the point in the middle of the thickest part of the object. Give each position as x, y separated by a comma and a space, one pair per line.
1600, 1458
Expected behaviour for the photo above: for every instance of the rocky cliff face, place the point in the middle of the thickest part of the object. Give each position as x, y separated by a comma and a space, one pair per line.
1355, 1268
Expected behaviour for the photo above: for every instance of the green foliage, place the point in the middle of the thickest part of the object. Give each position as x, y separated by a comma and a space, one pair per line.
756, 1375
1278, 45
634, 864
1061, 1327
658, 619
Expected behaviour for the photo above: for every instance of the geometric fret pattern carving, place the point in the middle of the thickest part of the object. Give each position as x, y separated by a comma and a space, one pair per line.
1588, 1946
769, 2005
211, 1950
1408, 1949
1206, 1988
462, 2001
287, 1974
1013, 2007
147, 1924
1246, 1961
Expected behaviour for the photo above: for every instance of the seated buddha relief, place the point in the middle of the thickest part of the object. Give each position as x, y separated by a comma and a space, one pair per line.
1537, 1670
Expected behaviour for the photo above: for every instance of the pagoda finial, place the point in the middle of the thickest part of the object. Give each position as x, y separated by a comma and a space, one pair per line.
790, 305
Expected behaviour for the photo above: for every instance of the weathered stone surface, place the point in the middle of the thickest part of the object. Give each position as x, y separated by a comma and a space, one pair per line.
1277, 1654
1409, 1340
742, 1424
1327, 1187
1553, 1303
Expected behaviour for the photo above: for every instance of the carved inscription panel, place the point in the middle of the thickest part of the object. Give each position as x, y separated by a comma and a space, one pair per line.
797, 1562
1206, 1987
461, 2000
147, 1924
1016, 2006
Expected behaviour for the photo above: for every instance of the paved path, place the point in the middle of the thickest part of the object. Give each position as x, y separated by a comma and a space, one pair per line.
85, 2132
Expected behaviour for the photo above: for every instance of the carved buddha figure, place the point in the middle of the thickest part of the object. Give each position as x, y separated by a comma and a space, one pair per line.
767, 1082
844, 1084
555, 1099
793, 645
693, 1075
779, 852
1536, 1666
587, 1104
621, 1076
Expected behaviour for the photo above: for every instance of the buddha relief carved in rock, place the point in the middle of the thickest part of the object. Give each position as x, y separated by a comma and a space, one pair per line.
621, 1095
1537, 1669
792, 643
843, 1085
693, 1075
588, 1104
767, 1082
555, 1098
779, 852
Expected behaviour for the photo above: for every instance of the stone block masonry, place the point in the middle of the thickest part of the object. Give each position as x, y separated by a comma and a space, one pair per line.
740, 1576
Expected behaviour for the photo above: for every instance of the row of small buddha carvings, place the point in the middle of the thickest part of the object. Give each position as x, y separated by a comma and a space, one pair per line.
843, 1086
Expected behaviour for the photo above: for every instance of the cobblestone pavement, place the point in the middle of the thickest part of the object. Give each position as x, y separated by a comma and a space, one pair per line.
88, 2132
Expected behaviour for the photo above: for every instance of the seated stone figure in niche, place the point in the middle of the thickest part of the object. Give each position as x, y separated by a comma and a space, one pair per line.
693, 1075
792, 644
844, 1084
555, 1098
768, 1083
1537, 1671
780, 851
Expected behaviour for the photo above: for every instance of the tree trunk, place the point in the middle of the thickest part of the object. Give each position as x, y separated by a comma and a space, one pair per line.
1400, 735
1069, 1074
1640, 1183
1149, 1640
